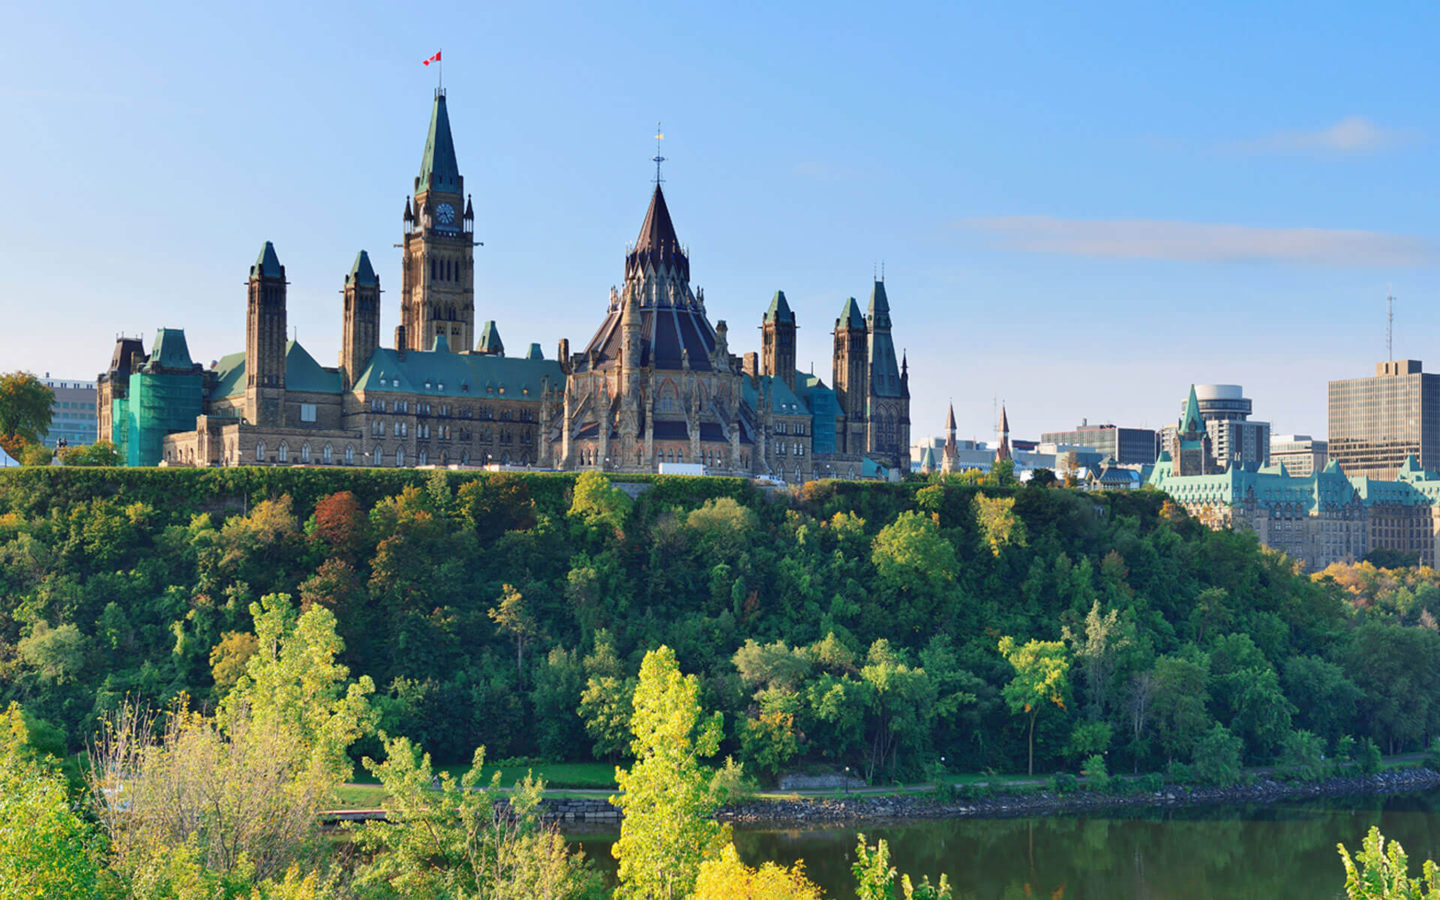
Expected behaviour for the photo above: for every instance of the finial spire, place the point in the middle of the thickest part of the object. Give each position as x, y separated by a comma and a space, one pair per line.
658, 159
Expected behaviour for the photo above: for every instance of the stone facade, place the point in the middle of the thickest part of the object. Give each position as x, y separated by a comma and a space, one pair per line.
656, 384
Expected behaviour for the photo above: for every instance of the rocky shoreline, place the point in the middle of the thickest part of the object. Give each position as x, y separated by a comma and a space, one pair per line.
1263, 790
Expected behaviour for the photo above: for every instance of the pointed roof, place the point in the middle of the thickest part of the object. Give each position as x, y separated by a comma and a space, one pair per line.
362, 272
779, 310
535, 352
441, 345
1004, 421
490, 340
950, 419
267, 264
879, 306
438, 170
657, 244
850, 316
170, 350
1192, 415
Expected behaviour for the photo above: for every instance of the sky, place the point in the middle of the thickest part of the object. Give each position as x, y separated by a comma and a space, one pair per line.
1080, 209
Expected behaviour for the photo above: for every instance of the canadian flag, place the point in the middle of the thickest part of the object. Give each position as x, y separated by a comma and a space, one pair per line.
435, 58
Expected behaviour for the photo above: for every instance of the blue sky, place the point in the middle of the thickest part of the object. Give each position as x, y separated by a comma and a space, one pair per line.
1081, 209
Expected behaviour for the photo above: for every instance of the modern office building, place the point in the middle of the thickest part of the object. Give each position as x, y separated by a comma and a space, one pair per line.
1301, 454
1224, 414
1128, 446
1376, 422
72, 415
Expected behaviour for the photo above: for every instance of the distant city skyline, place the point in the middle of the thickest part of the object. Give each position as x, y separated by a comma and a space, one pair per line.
1079, 215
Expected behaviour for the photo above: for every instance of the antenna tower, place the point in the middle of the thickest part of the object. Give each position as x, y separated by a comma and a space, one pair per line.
1389, 324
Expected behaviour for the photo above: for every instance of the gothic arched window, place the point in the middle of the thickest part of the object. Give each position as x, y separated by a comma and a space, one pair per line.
259, 451
327, 455
304, 453
421, 457
283, 453
349, 455
399, 457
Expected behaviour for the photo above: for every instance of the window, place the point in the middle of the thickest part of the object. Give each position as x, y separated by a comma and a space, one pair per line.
327, 455
259, 451
400, 456
304, 453
349, 455
307, 412
421, 457
379, 456
283, 453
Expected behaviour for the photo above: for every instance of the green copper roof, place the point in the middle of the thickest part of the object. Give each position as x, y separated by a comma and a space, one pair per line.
782, 400
267, 264
535, 352
303, 373
779, 310
441, 345
490, 342
1192, 415
879, 306
438, 170
170, 350
362, 272
458, 375
850, 316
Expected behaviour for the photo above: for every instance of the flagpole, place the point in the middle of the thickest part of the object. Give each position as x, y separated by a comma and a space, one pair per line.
440, 70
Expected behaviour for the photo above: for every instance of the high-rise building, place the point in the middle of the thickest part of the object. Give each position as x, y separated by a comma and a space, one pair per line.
1127, 446
1301, 454
1224, 416
72, 413
1376, 422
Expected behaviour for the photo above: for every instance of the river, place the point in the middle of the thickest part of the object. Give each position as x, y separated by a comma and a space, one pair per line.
1272, 851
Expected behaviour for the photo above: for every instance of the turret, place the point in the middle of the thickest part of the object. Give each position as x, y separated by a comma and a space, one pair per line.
265, 339
361, 319
850, 373
778, 341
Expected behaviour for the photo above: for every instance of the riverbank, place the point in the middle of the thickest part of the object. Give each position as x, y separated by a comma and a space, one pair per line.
997, 806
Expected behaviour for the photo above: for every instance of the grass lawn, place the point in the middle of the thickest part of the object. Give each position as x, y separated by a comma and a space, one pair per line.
555, 775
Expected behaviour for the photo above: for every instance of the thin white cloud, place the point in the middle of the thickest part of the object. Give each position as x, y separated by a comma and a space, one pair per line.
1205, 242
1350, 135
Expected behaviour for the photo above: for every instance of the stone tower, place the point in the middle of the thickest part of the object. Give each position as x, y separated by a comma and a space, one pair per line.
887, 413
438, 281
850, 372
361, 319
778, 341
265, 339
950, 462
1002, 452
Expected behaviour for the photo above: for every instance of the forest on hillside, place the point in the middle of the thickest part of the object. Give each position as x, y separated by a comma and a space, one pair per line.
880, 627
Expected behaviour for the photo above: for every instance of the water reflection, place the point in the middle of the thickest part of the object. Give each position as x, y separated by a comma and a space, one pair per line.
1244, 852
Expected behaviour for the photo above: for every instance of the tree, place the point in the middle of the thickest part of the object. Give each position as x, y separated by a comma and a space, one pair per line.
458, 843
875, 877
1097, 650
599, 505
727, 878
46, 849
1217, 757
100, 453
1382, 873
25, 404
1041, 678
235, 797
998, 523
666, 796
512, 616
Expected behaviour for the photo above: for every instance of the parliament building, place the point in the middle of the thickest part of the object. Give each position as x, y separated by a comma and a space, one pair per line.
656, 384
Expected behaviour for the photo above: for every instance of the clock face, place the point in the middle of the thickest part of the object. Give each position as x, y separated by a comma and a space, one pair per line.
445, 213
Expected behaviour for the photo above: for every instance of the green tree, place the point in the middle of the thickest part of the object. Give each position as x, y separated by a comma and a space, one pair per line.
46, 849
512, 616
1379, 872
666, 796
24, 411
1098, 650
1041, 679
457, 843
999, 525
599, 505
100, 453
875, 877
1217, 757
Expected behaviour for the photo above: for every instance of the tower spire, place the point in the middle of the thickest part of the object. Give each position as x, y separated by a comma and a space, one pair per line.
658, 159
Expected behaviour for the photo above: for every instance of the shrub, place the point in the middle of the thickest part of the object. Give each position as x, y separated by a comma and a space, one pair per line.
1217, 757
1367, 756
1064, 783
1432, 755
1149, 783
1302, 756
1097, 776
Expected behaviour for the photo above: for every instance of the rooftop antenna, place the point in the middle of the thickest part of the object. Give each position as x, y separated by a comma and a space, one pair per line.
1389, 323
659, 136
